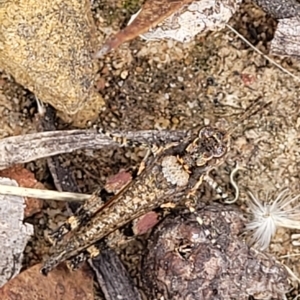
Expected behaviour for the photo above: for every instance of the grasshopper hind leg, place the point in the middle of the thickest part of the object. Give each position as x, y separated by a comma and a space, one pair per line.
81, 216
91, 252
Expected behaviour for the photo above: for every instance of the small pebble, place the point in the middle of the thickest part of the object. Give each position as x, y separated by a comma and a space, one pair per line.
124, 74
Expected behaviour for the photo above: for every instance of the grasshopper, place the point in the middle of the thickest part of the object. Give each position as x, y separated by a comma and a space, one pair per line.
173, 172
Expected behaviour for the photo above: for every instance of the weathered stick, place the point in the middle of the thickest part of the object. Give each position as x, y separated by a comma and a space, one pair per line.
29, 147
112, 276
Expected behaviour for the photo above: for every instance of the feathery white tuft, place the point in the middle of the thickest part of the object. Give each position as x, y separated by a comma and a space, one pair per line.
267, 217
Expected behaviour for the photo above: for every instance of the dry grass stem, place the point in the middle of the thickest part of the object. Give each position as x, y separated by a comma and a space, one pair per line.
264, 55
42, 194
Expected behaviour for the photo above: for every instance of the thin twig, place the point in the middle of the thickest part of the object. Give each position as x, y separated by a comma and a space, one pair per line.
264, 55
41, 194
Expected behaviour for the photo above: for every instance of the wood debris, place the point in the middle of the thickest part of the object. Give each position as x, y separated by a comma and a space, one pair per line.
113, 277
152, 13
178, 20
29, 147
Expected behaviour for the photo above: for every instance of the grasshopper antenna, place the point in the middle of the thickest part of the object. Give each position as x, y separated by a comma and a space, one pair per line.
256, 106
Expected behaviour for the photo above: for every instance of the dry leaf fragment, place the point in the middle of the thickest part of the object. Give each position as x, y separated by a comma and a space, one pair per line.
14, 234
116, 182
145, 223
61, 284
26, 179
152, 13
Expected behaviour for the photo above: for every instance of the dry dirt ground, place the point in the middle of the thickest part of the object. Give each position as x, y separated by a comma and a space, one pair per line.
168, 85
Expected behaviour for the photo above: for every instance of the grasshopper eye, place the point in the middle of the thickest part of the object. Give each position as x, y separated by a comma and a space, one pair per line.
212, 143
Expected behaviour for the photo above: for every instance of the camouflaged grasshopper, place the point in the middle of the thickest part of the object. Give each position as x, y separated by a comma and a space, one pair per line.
173, 172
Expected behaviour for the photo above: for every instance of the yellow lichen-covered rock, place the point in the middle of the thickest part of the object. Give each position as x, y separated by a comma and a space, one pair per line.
47, 46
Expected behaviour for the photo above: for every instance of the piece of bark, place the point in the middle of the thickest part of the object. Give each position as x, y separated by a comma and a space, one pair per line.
112, 276
280, 9
286, 41
62, 177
